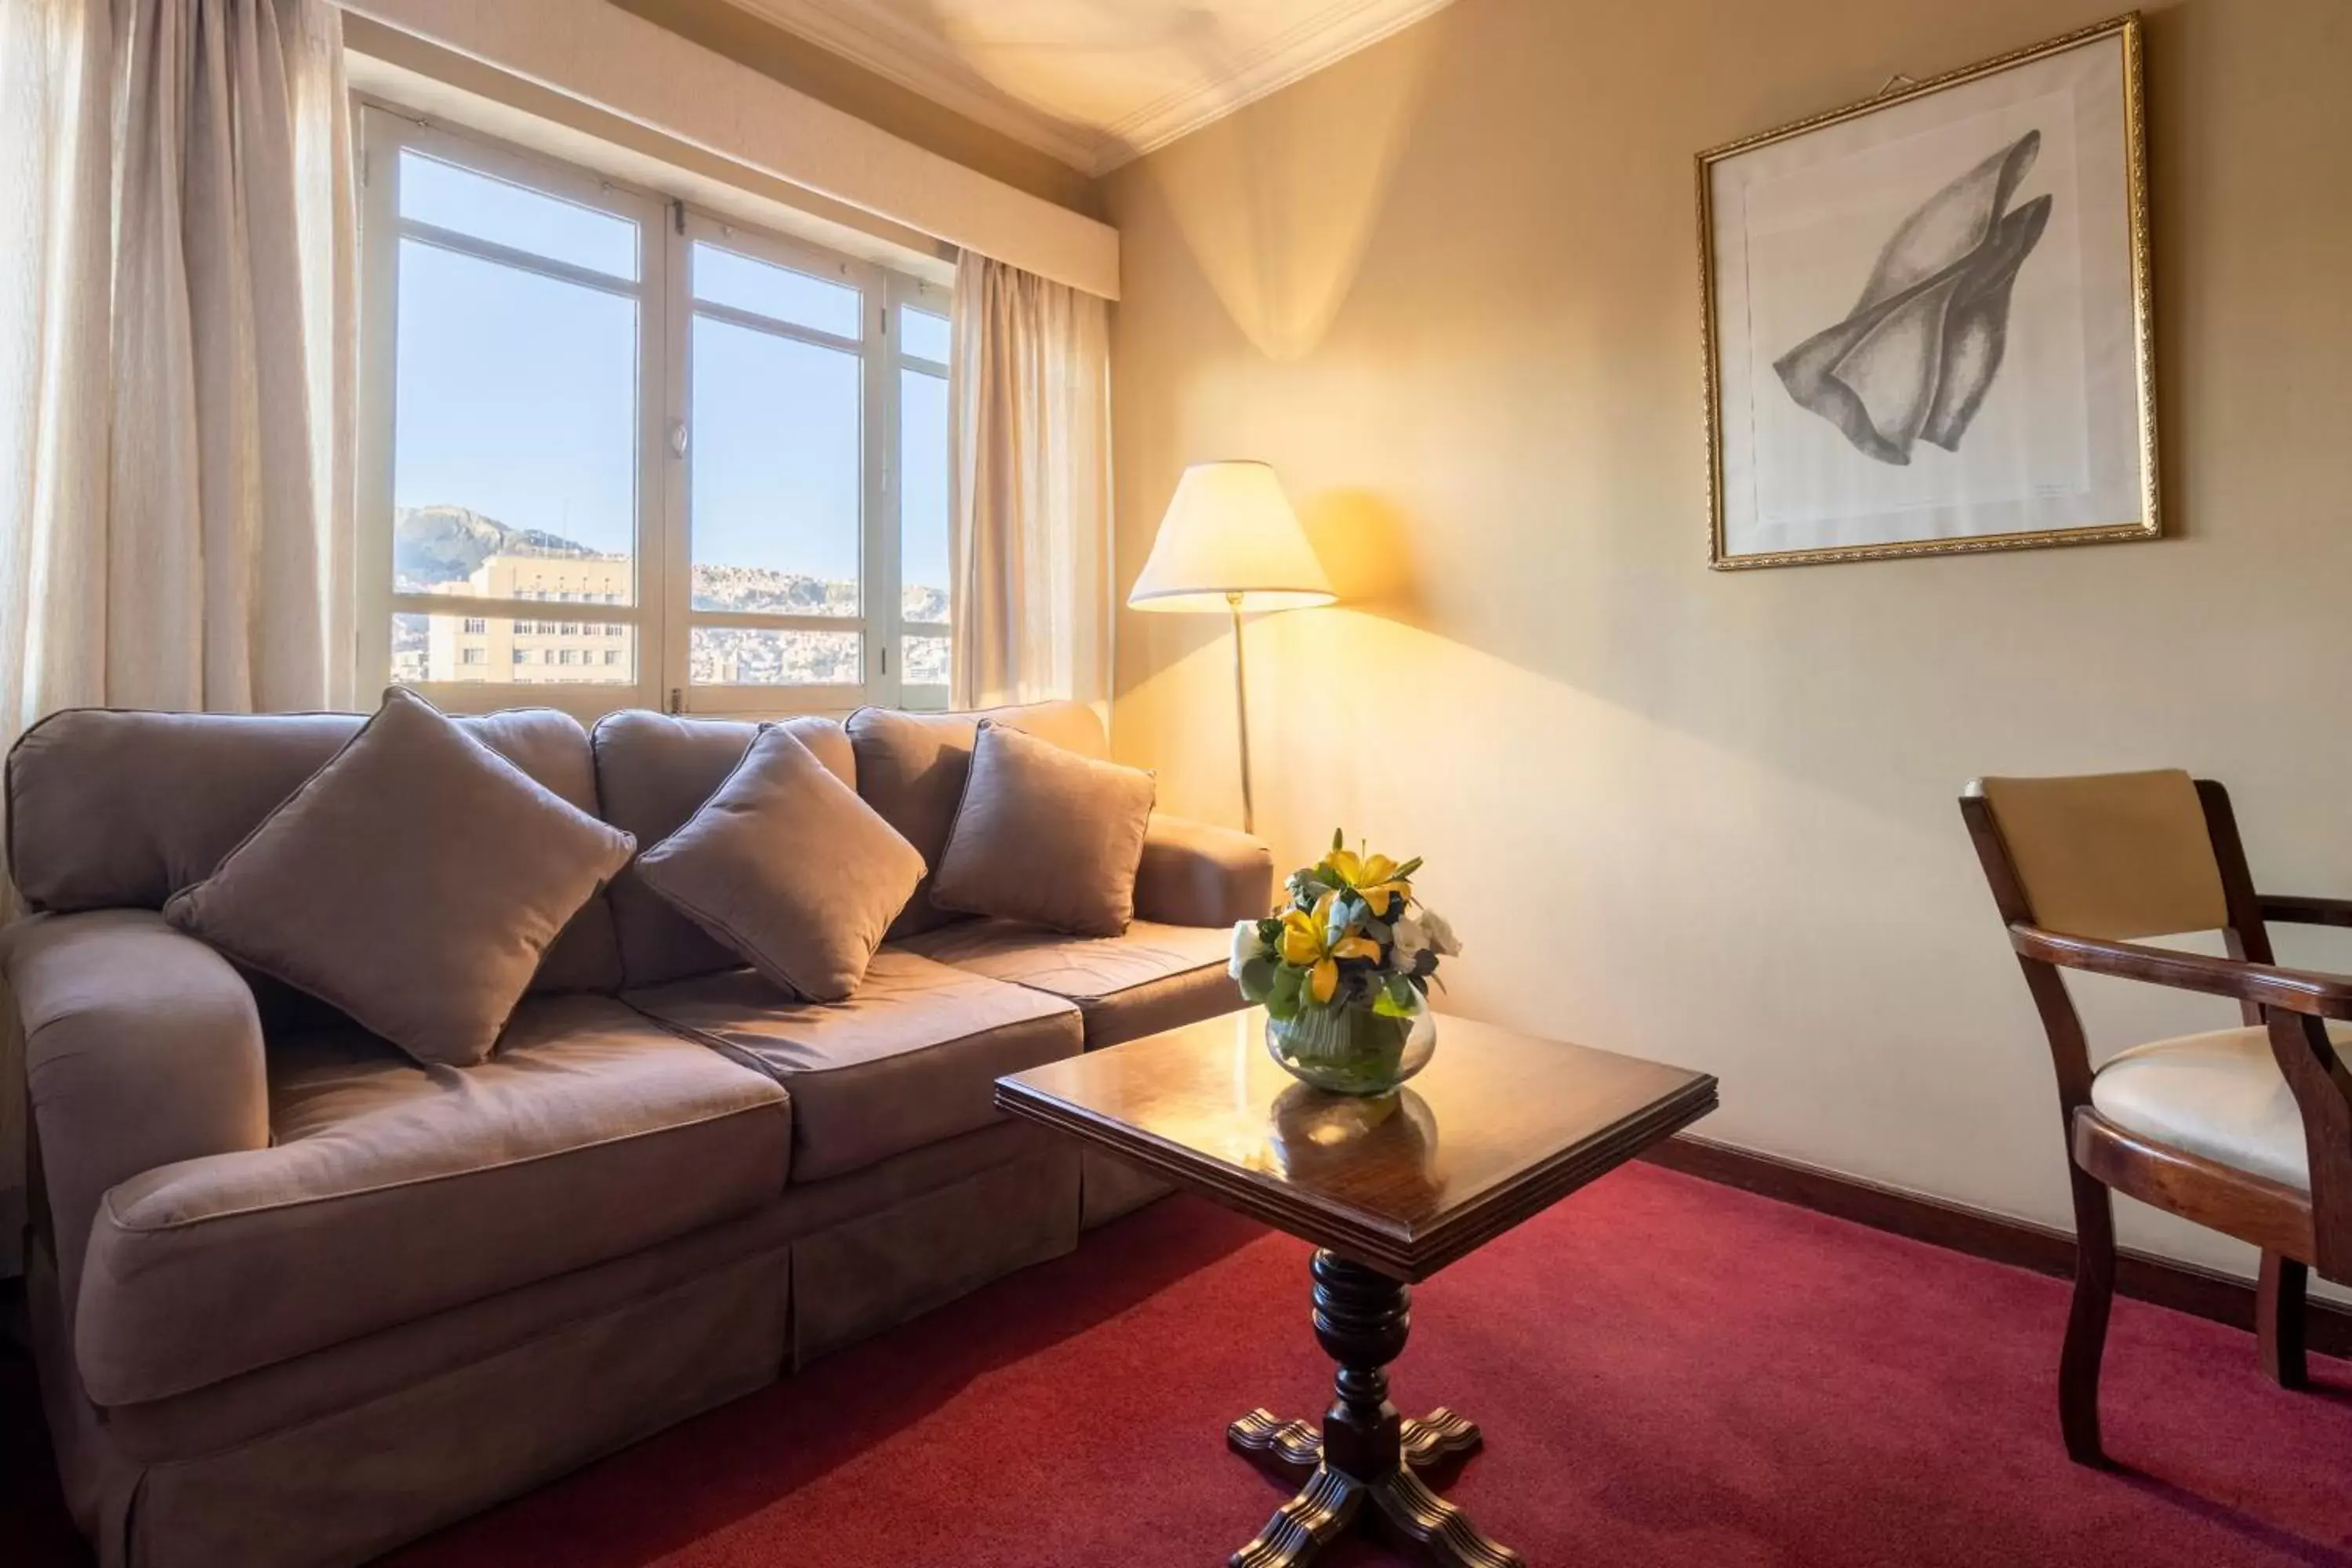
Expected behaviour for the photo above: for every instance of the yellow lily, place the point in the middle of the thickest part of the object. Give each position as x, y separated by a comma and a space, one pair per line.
1309, 943
1373, 876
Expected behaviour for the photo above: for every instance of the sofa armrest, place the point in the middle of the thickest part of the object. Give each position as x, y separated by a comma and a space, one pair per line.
1194, 874
141, 1048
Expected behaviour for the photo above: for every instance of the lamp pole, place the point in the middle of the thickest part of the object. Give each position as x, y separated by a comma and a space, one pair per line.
1241, 712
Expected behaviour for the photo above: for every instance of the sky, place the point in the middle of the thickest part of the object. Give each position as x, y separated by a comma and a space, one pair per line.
517, 393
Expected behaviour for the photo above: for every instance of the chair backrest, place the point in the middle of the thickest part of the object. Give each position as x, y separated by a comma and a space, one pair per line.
2118, 856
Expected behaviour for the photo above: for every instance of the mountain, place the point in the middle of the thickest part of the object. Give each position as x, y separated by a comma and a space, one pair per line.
446, 543
433, 544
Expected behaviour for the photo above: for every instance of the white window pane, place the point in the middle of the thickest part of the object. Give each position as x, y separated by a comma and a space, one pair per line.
727, 278
923, 661
515, 435
922, 334
923, 497
432, 648
449, 197
775, 487
745, 656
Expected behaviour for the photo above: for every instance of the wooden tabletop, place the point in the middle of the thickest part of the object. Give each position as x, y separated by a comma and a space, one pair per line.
1496, 1128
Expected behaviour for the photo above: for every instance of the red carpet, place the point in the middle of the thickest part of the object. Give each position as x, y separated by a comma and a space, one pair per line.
1667, 1372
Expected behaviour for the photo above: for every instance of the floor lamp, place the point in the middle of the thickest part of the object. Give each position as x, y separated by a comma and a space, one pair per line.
1230, 542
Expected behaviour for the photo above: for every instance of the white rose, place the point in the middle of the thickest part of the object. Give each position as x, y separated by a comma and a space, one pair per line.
1441, 934
1248, 945
1411, 938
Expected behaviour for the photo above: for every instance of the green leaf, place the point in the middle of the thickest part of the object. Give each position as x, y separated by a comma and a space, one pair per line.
1396, 998
1282, 997
1407, 869
1257, 978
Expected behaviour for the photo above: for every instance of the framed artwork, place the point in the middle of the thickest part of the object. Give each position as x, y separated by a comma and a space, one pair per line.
1928, 323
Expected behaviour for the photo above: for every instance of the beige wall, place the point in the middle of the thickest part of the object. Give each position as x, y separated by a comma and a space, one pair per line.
1449, 289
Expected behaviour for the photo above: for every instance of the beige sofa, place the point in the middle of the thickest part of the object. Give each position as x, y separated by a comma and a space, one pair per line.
298, 1298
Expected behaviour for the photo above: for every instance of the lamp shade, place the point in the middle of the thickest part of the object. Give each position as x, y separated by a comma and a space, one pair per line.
1229, 540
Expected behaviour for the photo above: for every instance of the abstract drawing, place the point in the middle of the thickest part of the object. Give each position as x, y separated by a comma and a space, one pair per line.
1926, 316
1915, 357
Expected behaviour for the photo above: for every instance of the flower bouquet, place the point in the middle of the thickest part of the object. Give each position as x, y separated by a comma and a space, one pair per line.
1343, 972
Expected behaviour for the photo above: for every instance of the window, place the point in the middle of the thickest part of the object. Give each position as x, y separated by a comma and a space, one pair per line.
731, 444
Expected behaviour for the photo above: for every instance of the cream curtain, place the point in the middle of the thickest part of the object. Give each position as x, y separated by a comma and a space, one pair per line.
1029, 543
178, 324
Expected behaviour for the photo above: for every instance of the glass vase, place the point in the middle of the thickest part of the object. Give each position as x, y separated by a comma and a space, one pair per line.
1352, 1051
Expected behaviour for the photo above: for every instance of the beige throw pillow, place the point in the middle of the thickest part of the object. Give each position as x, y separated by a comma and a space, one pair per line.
787, 867
415, 881
1046, 836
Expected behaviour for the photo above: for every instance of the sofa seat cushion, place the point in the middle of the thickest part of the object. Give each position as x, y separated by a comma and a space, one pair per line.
911, 1058
2220, 1095
1151, 978
392, 1189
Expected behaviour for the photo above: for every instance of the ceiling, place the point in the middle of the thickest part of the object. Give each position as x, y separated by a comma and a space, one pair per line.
1093, 83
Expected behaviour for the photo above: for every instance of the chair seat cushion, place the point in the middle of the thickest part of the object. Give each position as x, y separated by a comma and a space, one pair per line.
910, 1059
1150, 978
394, 1188
2220, 1095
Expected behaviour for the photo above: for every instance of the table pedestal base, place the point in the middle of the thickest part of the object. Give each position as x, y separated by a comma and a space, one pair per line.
1362, 1470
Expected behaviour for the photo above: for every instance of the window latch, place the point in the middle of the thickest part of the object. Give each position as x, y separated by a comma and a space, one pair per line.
678, 438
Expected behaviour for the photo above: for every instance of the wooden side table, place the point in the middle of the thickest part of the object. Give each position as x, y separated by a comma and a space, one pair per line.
1497, 1129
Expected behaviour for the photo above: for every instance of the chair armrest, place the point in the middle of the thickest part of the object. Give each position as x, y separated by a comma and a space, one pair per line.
2295, 909
2264, 984
1193, 874
141, 1048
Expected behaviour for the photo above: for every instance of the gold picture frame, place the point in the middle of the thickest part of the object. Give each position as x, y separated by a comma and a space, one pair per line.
1920, 355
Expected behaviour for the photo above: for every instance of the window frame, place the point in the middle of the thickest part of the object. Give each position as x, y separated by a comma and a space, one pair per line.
902, 291
663, 615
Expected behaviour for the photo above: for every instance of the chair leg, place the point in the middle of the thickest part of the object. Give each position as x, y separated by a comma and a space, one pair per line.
2086, 1323
2278, 1321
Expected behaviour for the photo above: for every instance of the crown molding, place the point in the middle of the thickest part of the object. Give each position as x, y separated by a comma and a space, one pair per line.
924, 62
1322, 39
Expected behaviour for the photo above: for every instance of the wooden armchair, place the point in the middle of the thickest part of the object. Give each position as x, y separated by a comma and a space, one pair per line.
2247, 1132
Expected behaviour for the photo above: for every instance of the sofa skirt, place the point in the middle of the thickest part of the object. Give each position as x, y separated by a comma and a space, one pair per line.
1112, 1188
342, 1455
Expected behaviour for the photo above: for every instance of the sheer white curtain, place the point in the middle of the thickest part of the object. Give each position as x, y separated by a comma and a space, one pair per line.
1029, 545
177, 331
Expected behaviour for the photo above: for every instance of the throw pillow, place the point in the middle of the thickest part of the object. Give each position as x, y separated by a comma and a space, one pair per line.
414, 882
1046, 836
787, 867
